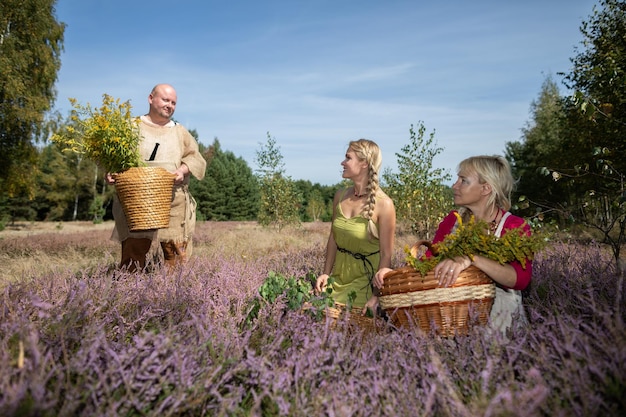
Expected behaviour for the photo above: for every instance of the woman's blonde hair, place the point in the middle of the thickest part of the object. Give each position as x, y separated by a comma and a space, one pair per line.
494, 170
368, 151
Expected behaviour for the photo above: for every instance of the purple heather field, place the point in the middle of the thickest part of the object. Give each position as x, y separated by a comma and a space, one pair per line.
93, 341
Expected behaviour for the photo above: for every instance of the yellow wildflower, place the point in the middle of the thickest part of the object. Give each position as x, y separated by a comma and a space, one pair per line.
109, 135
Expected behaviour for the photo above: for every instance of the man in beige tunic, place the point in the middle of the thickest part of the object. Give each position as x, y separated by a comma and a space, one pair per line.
166, 144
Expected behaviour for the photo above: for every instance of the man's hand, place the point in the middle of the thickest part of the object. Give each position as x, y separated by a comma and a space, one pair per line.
181, 173
179, 177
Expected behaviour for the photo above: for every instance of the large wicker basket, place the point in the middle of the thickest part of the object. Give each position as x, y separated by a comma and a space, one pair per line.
413, 300
145, 194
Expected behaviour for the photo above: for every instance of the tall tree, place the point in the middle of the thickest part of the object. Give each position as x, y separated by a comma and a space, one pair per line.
599, 78
418, 190
229, 190
31, 42
599, 75
587, 171
541, 145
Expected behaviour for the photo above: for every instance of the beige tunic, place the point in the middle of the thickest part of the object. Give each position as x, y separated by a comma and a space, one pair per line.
176, 146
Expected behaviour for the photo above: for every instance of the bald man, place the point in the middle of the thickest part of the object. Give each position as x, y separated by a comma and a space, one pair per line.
164, 143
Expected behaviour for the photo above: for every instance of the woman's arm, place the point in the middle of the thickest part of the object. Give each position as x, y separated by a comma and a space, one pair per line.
386, 220
331, 252
387, 232
510, 275
445, 227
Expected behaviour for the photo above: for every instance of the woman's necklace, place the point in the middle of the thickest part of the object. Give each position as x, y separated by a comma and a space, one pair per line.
494, 223
357, 195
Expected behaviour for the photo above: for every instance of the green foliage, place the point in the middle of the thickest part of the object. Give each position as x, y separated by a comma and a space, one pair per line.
96, 209
471, 239
280, 201
541, 146
599, 79
31, 42
418, 190
56, 183
599, 69
108, 135
296, 292
603, 206
229, 190
316, 206
68, 184
584, 185
316, 200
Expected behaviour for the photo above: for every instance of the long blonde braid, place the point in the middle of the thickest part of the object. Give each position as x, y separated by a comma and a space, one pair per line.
368, 151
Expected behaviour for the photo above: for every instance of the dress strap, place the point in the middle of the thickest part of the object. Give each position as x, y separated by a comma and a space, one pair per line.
498, 232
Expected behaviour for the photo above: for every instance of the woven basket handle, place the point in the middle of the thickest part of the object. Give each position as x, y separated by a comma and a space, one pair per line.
415, 248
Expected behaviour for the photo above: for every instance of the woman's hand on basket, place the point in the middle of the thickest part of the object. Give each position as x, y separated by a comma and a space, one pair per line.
379, 277
320, 283
448, 270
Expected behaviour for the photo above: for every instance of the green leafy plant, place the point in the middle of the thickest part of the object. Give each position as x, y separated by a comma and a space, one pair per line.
471, 239
108, 135
351, 297
297, 292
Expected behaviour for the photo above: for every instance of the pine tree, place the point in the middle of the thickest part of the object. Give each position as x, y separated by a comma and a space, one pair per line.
229, 190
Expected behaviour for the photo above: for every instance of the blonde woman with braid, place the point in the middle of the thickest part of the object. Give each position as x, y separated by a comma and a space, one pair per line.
361, 241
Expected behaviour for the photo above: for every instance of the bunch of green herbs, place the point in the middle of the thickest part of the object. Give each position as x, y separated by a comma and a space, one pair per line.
472, 238
296, 292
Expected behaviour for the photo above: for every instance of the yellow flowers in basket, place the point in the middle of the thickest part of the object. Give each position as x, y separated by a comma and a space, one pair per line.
108, 135
472, 239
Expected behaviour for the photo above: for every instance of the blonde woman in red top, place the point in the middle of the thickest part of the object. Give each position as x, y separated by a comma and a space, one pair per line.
483, 189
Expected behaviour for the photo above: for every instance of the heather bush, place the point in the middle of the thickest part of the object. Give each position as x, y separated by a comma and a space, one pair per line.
96, 341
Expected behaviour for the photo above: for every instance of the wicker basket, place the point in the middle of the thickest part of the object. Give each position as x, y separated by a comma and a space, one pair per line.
410, 299
145, 194
354, 318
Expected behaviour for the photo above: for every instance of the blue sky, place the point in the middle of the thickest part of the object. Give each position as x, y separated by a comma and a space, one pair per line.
316, 74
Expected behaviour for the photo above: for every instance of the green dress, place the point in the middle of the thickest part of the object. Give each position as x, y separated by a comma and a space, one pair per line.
353, 268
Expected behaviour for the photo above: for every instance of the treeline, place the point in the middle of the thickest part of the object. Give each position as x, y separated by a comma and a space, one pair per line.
68, 188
